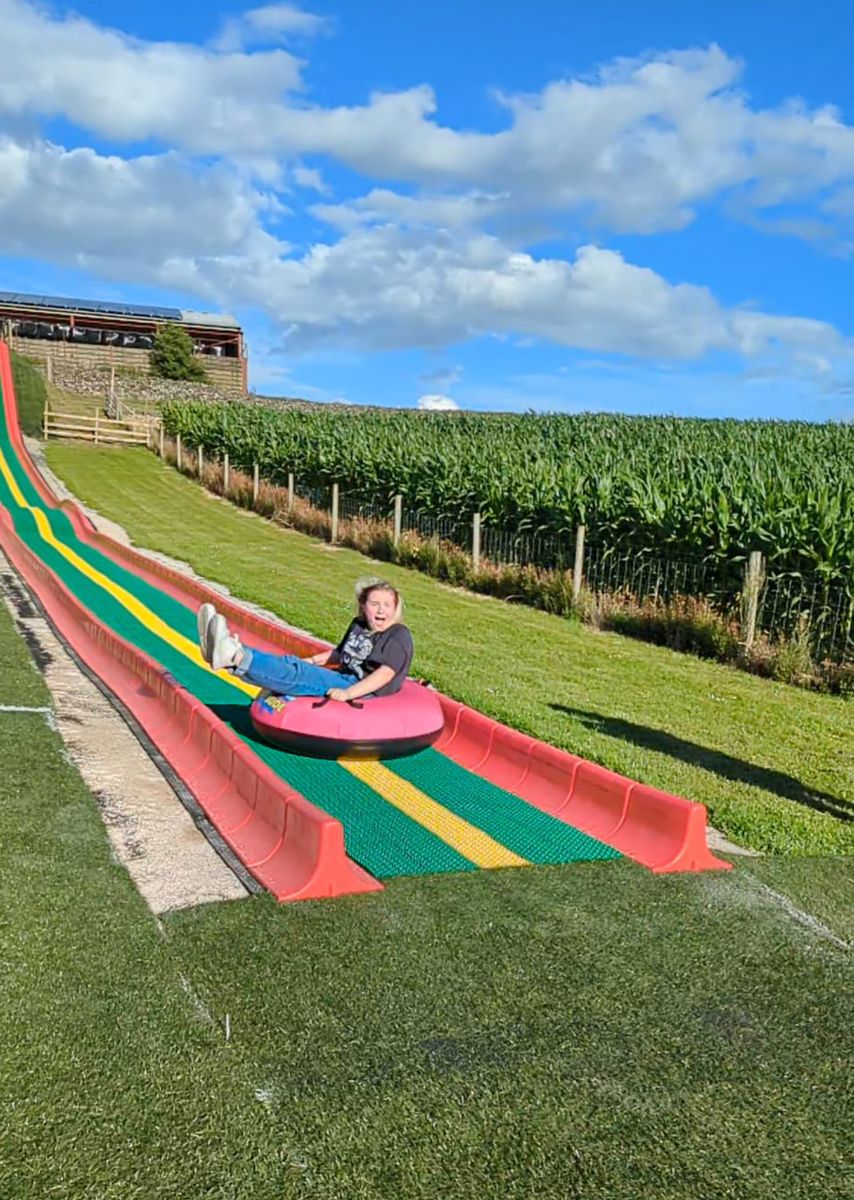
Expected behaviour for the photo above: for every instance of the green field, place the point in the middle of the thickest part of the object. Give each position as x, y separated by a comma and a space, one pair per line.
689, 488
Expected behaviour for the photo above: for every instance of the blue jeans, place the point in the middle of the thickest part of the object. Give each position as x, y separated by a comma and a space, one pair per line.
290, 676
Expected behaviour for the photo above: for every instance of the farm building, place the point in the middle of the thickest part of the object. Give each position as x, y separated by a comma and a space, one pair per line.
98, 333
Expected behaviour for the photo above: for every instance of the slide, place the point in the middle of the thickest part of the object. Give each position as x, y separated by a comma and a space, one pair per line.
484, 796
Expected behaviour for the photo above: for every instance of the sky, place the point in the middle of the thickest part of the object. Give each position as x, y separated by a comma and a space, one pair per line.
475, 204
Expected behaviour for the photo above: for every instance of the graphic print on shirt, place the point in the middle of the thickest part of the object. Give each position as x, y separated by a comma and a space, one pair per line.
357, 647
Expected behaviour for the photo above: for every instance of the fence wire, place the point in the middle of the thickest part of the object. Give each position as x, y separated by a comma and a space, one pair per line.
446, 527
790, 605
816, 608
318, 496
372, 508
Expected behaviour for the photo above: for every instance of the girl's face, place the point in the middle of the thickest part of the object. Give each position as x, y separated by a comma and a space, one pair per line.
379, 608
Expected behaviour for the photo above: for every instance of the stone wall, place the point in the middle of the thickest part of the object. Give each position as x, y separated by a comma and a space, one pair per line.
225, 374
131, 387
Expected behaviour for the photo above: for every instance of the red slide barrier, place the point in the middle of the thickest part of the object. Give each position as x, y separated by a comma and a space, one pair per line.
293, 848
663, 832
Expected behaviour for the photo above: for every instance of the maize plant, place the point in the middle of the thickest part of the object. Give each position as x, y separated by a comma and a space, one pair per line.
715, 489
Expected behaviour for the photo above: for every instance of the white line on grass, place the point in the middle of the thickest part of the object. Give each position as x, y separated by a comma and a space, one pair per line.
804, 918
196, 1000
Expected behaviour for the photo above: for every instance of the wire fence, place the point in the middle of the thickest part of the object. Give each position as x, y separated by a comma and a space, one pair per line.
371, 508
647, 574
818, 609
789, 605
811, 607
316, 496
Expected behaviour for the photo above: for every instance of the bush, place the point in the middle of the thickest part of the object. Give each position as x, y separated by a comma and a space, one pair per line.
686, 623
31, 395
172, 356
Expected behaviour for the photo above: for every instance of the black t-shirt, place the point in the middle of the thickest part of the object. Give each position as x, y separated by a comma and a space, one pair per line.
361, 650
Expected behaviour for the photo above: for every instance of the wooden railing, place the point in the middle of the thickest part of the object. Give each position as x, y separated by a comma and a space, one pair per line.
137, 431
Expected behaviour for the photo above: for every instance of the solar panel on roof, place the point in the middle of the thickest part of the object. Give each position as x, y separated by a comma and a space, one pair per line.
116, 307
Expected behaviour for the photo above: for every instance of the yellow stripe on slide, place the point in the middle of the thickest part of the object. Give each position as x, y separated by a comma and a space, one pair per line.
475, 845
139, 610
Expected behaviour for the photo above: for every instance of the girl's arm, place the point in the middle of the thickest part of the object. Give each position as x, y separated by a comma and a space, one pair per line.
364, 687
323, 657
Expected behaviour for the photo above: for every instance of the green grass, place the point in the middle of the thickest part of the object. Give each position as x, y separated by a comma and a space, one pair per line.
30, 394
769, 761
824, 886
75, 403
592, 1031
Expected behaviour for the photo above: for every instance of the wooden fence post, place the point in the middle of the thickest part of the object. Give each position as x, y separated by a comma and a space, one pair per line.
162, 435
49, 368
256, 483
475, 541
225, 473
333, 536
46, 420
201, 462
578, 568
96, 429
290, 489
398, 518
752, 587
113, 411
179, 458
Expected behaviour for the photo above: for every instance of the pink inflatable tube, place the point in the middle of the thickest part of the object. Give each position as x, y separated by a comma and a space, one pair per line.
385, 727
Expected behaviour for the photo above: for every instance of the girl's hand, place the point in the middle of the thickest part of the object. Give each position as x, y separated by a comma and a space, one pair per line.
338, 694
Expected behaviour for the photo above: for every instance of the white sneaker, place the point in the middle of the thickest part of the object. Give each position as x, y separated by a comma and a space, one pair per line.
203, 619
224, 648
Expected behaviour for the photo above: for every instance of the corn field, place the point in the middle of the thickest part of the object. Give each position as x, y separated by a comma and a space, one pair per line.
691, 488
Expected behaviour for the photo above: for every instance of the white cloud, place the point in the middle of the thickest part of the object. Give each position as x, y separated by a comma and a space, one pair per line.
381, 205
443, 377
437, 403
636, 147
131, 90
124, 218
160, 219
310, 177
446, 257
383, 289
270, 23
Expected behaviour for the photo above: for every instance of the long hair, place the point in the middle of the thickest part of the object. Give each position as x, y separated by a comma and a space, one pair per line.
372, 583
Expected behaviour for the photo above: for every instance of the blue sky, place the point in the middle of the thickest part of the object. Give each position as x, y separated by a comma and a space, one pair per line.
559, 206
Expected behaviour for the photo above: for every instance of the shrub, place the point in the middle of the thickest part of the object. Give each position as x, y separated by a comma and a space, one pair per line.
793, 662
172, 356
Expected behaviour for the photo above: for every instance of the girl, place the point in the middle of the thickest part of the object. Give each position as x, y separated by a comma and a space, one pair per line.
373, 655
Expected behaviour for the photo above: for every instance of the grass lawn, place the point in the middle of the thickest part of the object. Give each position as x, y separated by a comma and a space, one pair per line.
30, 394
591, 1031
772, 763
83, 405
